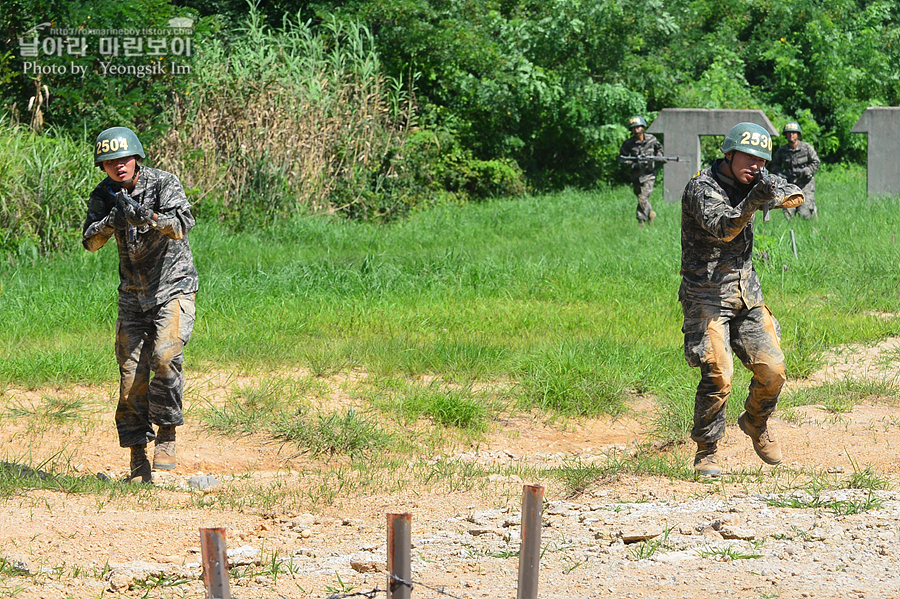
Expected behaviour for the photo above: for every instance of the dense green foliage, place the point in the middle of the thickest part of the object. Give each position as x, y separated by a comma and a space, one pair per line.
375, 108
560, 294
85, 105
549, 84
546, 84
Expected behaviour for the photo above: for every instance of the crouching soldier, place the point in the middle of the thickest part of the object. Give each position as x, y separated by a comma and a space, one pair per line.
147, 212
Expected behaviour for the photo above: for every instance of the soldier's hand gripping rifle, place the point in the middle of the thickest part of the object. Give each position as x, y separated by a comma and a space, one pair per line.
134, 213
772, 192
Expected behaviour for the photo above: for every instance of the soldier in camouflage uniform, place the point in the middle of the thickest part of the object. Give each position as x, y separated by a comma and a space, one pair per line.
720, 294
147, 212
643, 173
798, 162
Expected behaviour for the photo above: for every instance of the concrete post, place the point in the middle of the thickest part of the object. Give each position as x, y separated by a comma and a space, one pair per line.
882, 124
682, 128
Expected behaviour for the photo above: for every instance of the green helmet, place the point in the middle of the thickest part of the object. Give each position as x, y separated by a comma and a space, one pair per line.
748, 138
116, 143
637, 121
792, 126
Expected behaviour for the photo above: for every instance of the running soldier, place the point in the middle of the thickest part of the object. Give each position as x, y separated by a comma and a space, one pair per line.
147, 212
721, 297
643, 172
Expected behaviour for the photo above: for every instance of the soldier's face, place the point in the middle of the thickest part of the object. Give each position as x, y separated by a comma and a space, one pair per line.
745, 167
120, 169
792, 137
637, 130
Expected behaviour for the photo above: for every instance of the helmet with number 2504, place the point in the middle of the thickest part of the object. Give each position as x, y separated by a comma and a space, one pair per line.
116, 143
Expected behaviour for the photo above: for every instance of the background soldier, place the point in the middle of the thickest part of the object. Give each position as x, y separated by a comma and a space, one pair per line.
148, 213
643, 173
721, 297
798, 162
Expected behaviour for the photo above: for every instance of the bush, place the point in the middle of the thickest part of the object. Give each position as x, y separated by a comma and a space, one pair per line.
286, 120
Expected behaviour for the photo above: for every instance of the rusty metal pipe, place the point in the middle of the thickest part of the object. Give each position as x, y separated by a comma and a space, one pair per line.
398, 552
530, 551
214, 559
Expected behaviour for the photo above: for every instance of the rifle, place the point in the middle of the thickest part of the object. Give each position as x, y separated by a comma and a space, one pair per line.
640, 159
128, 206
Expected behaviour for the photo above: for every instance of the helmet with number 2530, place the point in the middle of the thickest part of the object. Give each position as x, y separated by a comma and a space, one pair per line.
749, 138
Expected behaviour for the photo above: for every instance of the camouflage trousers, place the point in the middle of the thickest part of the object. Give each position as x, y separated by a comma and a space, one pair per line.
151, 341
642, 189
711, 333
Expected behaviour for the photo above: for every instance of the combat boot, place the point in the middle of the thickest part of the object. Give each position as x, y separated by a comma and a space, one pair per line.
140, 466
164, 454
767, 448
705, 463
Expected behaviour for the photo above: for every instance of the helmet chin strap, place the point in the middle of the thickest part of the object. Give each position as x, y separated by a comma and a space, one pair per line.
130, 182
728, 162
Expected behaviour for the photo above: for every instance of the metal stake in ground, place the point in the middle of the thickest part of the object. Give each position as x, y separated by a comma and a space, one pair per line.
398, 561
215, 563
530, 552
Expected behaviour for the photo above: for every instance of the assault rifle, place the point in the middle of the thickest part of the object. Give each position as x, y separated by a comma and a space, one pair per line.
649, 159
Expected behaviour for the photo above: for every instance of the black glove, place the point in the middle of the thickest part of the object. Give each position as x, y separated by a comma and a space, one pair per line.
116, 219
764, 191
134, 213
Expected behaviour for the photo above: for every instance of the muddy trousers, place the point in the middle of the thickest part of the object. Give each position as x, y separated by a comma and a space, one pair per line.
711, 333
151, 342
642, 189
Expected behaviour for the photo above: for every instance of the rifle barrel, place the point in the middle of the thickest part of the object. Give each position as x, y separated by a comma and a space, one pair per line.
651, 158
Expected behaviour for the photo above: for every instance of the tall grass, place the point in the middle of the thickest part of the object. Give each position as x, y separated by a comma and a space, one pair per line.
44, 183
560, 296
276, 120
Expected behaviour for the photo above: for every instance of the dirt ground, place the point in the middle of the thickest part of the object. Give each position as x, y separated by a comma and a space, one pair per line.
146, 544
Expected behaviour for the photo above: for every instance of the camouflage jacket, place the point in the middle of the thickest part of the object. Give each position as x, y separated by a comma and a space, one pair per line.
797, 165
717, 242
156, 264
649, 147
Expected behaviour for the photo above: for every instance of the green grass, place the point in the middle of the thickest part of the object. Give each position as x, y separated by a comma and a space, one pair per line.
16, 477
838, 507
280, 407
729, 553
559, 295
444, 404
649, 548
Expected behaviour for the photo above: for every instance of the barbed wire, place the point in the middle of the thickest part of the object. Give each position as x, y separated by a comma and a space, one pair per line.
370, 594
410, 583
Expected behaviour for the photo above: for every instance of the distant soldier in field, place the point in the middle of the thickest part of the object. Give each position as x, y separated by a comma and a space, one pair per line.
721, 297
643, 172
798, 162
147, 211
